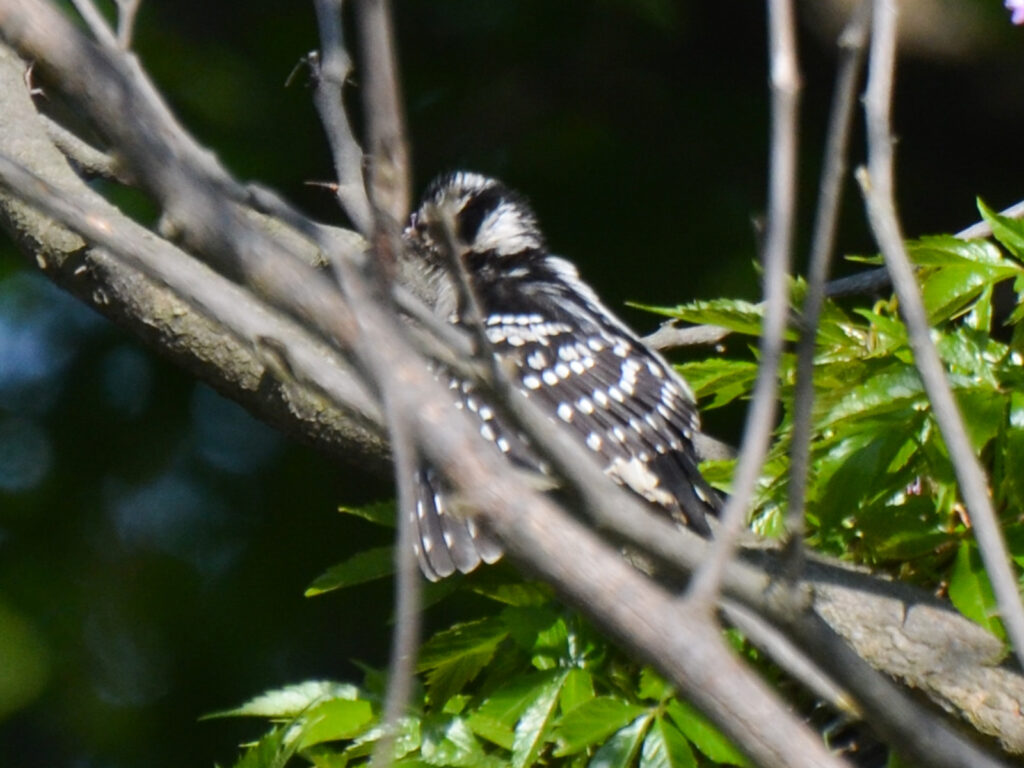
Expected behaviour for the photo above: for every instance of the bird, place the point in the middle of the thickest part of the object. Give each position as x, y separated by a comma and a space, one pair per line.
560, 347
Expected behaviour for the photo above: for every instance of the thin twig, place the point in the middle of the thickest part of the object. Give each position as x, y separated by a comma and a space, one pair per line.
385, 122
785, 87
126, 11
669, 336
89, 161
405, 641
97, 24
877, 185
789, 657
852, 43
331, 69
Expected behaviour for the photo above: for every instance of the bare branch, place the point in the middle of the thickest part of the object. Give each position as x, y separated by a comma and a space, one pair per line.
877, 184
852, 43
382, 105
785, 87
96, 23
331, 71
89, 161
126, 11
669, 335
405, 642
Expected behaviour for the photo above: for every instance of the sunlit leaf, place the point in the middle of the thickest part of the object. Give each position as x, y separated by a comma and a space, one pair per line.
971, 591
368, 565
494, 731
1013, 460
578, 688
734, 314
268, 752
379, 513
506, 704
451, 742
984, 412
333, 720
540, 631
666, 747
621, 749
535, 722
292, 700
652, 685
703, 735
593, 722
1009, 232
724, 379
450, 677
468, 637
893, 389
406, 739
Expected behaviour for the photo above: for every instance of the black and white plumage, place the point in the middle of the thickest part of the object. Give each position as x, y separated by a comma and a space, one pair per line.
568, 353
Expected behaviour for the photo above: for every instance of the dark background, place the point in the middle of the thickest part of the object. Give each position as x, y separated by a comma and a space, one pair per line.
155, 541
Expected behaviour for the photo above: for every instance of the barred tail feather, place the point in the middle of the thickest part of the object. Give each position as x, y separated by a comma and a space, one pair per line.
447, 542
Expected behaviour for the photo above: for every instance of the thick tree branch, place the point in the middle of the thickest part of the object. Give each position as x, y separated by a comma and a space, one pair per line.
154, 289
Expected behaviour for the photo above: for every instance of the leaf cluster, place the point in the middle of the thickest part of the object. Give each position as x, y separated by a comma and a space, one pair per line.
881, 489
529, 683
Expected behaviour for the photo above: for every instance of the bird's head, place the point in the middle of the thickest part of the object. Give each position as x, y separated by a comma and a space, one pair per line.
473, 214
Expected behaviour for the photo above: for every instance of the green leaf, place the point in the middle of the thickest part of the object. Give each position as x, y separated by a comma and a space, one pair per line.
723, 378
593, 722
971, 592
703, 735
578, 688
335, 720
620, 750
380, 513
1013, 480
369, 565
540, 631
450, 742
519, 594
460, 640
652, 685
446, 680
984, 412
492, 730
291, 701
666, 747
957, 272
507, 703
407, 739
734, 314
951, 251
895, 388
535, 722
1009, 232
269, 752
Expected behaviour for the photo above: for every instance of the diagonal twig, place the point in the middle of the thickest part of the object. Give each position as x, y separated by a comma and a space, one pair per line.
785, 87
331, 69
126, 12
385, 121
852, 42
877, 185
